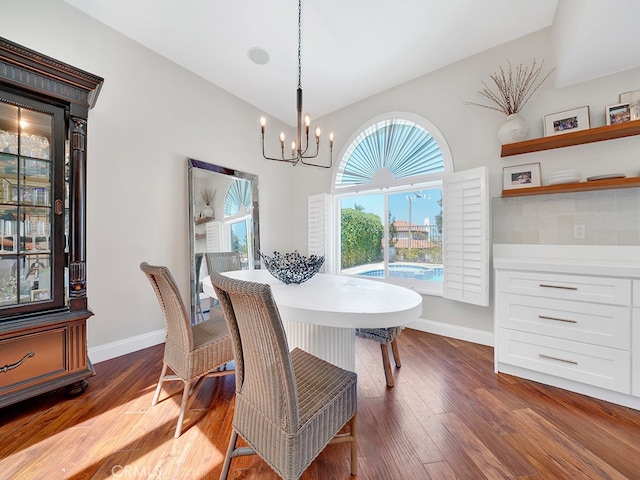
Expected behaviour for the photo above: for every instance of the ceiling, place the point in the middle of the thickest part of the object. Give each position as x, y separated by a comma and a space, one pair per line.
352, 49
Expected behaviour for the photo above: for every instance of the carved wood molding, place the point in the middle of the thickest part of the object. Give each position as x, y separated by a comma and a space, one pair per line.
23, 67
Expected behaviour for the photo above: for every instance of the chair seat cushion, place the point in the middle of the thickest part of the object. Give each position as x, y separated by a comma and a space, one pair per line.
382, 335
210, 331
321, 383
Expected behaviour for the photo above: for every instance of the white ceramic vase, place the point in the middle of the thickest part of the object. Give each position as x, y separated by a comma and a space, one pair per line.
514, 129
207, 211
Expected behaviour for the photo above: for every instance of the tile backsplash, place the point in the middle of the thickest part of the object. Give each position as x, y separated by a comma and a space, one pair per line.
607, 217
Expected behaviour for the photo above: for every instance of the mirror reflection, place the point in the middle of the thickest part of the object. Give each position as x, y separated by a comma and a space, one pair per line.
224, 218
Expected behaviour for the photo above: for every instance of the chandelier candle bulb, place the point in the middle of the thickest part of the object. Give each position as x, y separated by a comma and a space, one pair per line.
263, 122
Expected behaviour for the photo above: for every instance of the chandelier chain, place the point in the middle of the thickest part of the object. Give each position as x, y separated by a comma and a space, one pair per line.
299, 43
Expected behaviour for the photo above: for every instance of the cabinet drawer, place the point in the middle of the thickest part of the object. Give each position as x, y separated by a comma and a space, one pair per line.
616, 291
30, 358
606, 325
591, 364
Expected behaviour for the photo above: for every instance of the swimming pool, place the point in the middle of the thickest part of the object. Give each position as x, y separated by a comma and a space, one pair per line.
414, 272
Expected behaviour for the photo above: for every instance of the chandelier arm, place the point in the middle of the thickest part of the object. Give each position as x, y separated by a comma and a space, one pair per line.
292, 160
316, 164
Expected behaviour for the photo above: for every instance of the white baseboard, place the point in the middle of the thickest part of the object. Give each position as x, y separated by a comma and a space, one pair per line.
481, 337
128, 345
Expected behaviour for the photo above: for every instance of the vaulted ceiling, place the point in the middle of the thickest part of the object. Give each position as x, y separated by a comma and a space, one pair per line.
352, 49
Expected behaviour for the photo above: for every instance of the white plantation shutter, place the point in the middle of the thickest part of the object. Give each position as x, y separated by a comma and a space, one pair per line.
214, 237
465, 207
320, 228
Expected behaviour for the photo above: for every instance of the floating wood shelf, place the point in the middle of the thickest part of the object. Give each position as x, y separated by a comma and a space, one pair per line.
200, 220
607, 184
598, 134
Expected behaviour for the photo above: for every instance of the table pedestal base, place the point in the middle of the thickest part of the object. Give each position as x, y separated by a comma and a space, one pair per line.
336, 345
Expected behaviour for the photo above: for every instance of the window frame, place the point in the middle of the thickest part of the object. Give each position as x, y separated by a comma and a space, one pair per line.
386, 184
425, 288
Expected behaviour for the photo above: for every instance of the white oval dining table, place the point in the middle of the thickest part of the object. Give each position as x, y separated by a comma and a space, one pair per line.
320, 315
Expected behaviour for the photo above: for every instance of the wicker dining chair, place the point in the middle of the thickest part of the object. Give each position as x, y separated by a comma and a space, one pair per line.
288, 405
222, 261
193, 352
386, 337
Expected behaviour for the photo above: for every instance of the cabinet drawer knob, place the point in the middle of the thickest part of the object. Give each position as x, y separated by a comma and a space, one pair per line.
6, 368
542, 355
544, 285
545, 317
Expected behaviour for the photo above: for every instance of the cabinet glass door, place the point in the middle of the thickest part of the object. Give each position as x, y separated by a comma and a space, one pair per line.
26, 213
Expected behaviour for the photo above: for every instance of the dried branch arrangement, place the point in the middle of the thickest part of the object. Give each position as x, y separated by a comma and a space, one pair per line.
207, 196
515, 87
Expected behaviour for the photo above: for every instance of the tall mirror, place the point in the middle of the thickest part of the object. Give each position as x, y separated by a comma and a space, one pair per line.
224, 217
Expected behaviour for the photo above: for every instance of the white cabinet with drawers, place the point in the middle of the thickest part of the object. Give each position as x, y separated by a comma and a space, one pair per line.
569, 316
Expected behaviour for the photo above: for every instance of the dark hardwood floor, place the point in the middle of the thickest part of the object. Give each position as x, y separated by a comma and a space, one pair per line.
448, 417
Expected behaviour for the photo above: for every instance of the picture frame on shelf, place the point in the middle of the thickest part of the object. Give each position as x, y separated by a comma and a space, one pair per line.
566, 122
521, 176
618, 113
626, 96
39, 295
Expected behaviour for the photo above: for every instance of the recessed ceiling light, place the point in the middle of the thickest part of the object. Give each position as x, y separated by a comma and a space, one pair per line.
258, 55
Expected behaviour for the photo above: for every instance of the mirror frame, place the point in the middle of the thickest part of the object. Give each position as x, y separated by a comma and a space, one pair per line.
192, 164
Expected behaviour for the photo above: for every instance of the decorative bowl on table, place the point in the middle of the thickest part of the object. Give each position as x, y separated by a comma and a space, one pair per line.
292, 267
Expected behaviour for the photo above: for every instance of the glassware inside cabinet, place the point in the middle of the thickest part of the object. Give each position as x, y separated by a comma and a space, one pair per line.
26, 214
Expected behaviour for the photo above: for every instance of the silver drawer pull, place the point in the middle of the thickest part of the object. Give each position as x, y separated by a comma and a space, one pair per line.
543, 285
544, 317
6, 368
542, 355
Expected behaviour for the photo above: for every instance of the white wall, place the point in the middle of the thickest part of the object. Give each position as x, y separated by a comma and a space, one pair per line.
471, 133
150, 116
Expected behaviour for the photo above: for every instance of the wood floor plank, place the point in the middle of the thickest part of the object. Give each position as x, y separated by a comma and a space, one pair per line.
450, 416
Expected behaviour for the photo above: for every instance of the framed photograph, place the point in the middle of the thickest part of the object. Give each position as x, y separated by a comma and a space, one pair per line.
628, 97
521, 176
619, 113
565, 122
39, 295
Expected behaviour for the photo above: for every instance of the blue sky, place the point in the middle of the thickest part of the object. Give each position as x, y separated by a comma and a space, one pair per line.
424, 204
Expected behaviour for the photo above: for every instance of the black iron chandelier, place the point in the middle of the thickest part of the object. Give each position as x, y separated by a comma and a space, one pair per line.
297, 153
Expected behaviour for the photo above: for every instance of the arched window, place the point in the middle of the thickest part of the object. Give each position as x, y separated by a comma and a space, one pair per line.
400, 214
391, 150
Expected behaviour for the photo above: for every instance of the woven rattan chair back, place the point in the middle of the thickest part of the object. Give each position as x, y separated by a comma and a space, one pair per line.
289, 405
223, 261
177, 321
264, 372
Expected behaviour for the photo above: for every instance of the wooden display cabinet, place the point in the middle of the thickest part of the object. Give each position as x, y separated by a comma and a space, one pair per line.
44, 106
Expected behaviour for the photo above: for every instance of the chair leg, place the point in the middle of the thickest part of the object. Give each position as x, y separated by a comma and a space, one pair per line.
183, 407
159, 387
386, 364
396, 352
227, 460
353, 431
